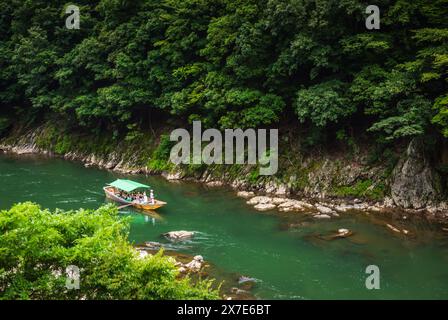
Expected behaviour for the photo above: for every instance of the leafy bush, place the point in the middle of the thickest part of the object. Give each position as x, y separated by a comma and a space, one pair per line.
37, 245
364, 188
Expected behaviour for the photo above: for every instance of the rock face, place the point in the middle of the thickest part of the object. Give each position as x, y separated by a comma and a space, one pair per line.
414, 182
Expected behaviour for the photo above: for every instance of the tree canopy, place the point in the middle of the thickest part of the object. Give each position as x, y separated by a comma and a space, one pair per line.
229, 63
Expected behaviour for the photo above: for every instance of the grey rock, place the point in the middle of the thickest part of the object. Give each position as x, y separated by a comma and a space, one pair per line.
414, 183
265, 206
322, 216
245, 194
179, 235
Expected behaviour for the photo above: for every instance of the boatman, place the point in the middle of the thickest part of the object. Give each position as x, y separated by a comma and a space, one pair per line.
151, 196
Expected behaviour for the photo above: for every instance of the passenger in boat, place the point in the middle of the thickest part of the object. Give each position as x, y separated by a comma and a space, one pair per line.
140, 197
145, 198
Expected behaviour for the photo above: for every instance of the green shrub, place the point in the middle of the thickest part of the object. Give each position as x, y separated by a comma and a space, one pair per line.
364, 188
36, 246
63, 145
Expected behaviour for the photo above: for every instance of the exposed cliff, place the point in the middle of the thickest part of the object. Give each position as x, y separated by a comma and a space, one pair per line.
415, 183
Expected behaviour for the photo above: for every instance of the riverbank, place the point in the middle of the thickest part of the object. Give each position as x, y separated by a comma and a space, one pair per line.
326, 186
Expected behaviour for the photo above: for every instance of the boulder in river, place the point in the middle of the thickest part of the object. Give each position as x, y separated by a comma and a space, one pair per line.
324, 210
265, 206
294, 205
322, 216
343, 233
179, 235
344, 207
195, 265
245, 194
259, 199
278, 201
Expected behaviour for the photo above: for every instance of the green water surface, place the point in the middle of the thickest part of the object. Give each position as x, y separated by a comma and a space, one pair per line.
283, 252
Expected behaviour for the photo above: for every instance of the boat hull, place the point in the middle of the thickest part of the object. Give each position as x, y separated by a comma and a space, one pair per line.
146, 207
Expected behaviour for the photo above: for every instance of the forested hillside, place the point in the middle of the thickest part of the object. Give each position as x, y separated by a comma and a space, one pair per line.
310, 66
228, 63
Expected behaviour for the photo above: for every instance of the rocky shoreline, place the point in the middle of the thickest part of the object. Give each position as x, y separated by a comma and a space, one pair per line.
231, 286
328, 208
270, 197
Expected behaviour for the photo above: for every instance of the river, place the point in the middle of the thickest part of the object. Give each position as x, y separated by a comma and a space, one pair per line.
284, 252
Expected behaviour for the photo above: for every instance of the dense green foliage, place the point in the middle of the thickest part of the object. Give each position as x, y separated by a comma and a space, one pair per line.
229, 63
37, 245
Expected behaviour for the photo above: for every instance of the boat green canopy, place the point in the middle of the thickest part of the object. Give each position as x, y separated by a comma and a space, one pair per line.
127, 185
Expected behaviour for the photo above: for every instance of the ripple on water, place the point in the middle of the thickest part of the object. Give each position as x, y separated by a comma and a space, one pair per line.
67, 201
6, 175
97, 193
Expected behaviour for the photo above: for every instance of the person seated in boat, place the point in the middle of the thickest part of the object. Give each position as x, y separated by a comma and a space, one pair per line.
140, 197
145, 197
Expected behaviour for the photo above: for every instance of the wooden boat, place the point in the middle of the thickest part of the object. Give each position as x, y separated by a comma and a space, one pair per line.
111, 191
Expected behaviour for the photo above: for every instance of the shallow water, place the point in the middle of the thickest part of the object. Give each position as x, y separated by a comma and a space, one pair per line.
286, 253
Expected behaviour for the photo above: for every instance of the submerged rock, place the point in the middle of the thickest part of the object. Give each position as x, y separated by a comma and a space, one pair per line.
344, 232
179, 235
339, 234
244, 279
391, 227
